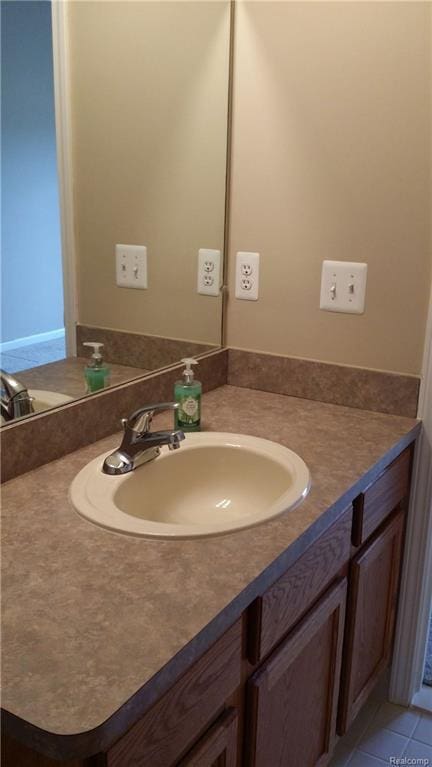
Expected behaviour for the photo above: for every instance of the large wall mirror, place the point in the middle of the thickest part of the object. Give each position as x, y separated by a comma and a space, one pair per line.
139, 91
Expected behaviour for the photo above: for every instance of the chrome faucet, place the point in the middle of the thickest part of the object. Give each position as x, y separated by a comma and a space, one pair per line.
139, 444
15, 399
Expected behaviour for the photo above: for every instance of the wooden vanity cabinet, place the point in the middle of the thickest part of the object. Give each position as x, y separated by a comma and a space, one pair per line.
293, 697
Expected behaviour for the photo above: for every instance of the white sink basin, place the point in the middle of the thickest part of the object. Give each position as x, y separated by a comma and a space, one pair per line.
46, 399
215, 483
43, 400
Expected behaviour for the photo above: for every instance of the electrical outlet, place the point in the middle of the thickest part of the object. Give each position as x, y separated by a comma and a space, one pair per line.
131, 266
246, 269
343, 287
247, 276
246, 283
209, 272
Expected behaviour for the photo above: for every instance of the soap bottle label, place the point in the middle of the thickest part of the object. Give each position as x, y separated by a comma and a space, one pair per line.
190, 407
189, 411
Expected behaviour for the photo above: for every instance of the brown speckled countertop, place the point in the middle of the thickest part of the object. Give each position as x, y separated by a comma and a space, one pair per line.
92, 620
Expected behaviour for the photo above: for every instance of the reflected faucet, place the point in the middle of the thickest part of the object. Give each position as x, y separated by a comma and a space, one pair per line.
15, 399
139, 444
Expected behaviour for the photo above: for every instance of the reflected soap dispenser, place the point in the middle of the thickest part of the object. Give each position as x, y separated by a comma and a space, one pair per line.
96, 373
187, 393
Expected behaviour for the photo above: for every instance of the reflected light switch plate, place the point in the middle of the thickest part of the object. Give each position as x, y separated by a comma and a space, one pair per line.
131, 266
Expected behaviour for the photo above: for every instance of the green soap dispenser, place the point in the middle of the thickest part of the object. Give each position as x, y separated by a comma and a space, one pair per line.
187, 393
96, 373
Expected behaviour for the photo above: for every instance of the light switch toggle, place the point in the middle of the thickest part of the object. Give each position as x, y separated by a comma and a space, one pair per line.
343, 286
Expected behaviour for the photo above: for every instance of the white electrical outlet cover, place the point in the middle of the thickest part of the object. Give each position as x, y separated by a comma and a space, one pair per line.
343, 287
247, 276
209, 272
131, 266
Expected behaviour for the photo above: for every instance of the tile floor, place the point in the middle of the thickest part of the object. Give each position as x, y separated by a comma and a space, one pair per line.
31, 356
385, 734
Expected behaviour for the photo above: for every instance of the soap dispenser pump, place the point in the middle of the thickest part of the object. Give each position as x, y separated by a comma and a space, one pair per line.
96, 373
187, 392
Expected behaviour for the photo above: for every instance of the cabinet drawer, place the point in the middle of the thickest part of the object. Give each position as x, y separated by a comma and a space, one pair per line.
274, 613
181, 716
218, 746
381, 497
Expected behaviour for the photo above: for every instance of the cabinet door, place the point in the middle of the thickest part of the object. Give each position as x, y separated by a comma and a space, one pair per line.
218, 747
372, 602
293, 698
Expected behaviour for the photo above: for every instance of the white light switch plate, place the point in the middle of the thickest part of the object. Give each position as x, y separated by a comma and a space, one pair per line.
247, 276
131, 266
209, 272
343, 287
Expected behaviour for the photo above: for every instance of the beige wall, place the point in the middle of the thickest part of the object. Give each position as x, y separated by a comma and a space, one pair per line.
149, 121
331, 159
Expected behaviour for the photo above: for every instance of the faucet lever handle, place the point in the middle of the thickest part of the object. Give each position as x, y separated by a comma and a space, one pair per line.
140, 420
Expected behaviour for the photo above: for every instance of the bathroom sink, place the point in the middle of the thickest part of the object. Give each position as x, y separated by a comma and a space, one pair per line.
216, 483
46, 399
43, 400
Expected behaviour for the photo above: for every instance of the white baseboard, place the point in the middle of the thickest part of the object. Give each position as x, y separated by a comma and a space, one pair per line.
423, 698
38, 338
